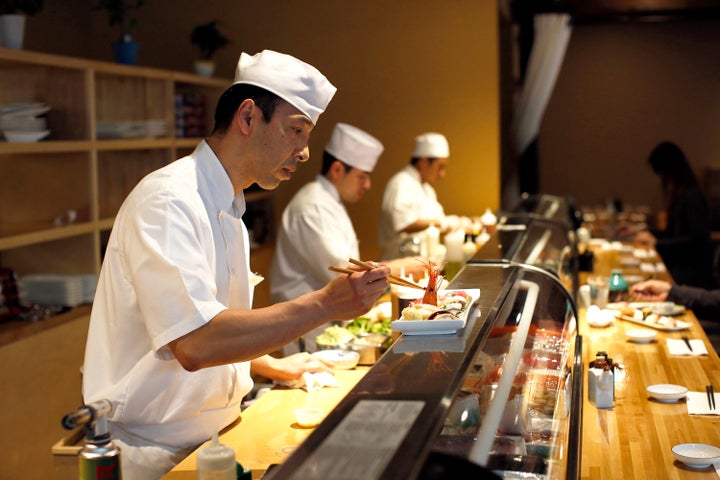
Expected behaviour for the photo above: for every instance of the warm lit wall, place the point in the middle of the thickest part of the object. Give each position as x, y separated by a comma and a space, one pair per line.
622, 90
401, 69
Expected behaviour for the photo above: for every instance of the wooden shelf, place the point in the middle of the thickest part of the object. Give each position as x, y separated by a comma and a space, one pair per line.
74, 170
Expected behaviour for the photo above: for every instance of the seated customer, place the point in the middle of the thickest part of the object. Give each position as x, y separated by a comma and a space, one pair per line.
703, 302
684, 243
315, 229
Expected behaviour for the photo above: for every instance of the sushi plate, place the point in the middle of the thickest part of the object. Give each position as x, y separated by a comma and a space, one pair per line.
439, 326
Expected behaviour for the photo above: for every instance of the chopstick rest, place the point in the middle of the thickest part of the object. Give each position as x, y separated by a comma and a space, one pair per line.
677, 346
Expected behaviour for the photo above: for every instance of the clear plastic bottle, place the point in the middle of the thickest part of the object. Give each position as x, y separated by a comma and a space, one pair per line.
216, 462
618, 290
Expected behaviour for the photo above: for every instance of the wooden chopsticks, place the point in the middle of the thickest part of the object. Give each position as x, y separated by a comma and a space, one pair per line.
391, 278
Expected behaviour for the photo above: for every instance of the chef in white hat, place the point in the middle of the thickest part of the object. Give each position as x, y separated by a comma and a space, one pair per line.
409, 202
316, 230
172, 336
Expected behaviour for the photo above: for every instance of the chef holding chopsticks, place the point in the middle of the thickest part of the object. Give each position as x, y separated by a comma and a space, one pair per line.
317, 232
172, 336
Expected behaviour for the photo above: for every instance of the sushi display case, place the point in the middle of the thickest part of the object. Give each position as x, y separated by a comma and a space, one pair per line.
548, 207
501, 397
528, 240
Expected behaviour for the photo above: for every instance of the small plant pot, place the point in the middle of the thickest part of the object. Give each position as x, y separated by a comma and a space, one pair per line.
204, 68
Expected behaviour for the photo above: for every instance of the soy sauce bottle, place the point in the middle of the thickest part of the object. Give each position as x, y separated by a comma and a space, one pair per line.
618, 289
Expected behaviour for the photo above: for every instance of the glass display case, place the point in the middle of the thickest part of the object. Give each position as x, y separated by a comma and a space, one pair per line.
534, 241
548, 207
499, 397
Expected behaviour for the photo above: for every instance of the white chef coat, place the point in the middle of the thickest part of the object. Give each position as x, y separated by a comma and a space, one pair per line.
177, 256
315, 232
406, 199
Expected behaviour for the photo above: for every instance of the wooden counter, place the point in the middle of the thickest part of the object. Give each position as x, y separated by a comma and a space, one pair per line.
634, 439
266, 432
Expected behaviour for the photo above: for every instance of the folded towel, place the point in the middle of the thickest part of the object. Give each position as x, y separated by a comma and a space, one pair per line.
311, 381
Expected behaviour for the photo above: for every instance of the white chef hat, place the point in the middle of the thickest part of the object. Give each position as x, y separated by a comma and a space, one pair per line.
354, 147
431, 145
293, 80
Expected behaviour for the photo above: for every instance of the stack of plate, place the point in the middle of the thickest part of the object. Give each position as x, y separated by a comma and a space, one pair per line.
54, 289
131, 129
24, 122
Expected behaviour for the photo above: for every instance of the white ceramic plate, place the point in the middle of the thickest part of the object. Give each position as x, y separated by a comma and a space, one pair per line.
657, 306
342, 359
25, 137
665, 392
641, 335
674, 326
696, 455
440, 326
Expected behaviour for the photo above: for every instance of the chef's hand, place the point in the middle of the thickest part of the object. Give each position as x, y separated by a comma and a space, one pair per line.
651, 290
351, 295
291, 367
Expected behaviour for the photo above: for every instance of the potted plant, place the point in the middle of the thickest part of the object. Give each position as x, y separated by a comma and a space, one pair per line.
208, 39
120, 15
12, 20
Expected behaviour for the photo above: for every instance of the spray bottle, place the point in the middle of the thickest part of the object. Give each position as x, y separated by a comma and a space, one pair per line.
99, 457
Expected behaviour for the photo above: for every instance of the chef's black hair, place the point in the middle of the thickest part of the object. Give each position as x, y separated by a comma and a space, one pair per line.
328, 160
231, 99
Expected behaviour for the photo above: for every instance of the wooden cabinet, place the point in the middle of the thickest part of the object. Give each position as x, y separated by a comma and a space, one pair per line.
110, 125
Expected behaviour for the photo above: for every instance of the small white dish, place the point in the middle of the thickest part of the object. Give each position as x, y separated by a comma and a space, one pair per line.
25, 137
641, 335
308, 417
665, 392
341, 359
696, 455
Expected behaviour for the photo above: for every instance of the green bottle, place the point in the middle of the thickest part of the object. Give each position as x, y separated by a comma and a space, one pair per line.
618, 290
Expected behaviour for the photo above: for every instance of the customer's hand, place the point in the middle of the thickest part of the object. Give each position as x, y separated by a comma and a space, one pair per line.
291, 367
651, 290
645, 238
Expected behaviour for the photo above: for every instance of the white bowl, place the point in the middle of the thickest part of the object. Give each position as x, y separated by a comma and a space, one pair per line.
308, 417
696, 455
666, 392
24, 137
341, 359
641, 335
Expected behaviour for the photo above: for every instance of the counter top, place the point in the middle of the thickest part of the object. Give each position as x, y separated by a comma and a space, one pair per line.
266, 432
635, 437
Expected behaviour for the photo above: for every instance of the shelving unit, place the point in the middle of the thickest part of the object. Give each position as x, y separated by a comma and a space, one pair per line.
78, 168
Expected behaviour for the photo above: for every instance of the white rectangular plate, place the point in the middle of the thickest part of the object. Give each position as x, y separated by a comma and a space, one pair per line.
678, 324
437, 327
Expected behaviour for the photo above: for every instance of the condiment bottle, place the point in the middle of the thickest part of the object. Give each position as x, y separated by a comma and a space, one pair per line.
618, 290
216, 462
488, 220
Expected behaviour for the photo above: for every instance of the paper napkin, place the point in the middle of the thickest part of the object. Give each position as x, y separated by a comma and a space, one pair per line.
697, 404
677, 346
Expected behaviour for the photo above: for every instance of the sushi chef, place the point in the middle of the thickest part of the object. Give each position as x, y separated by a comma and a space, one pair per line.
316, 230
172, 337
409, 203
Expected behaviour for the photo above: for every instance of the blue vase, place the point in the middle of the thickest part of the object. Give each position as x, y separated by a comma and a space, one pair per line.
125, 52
